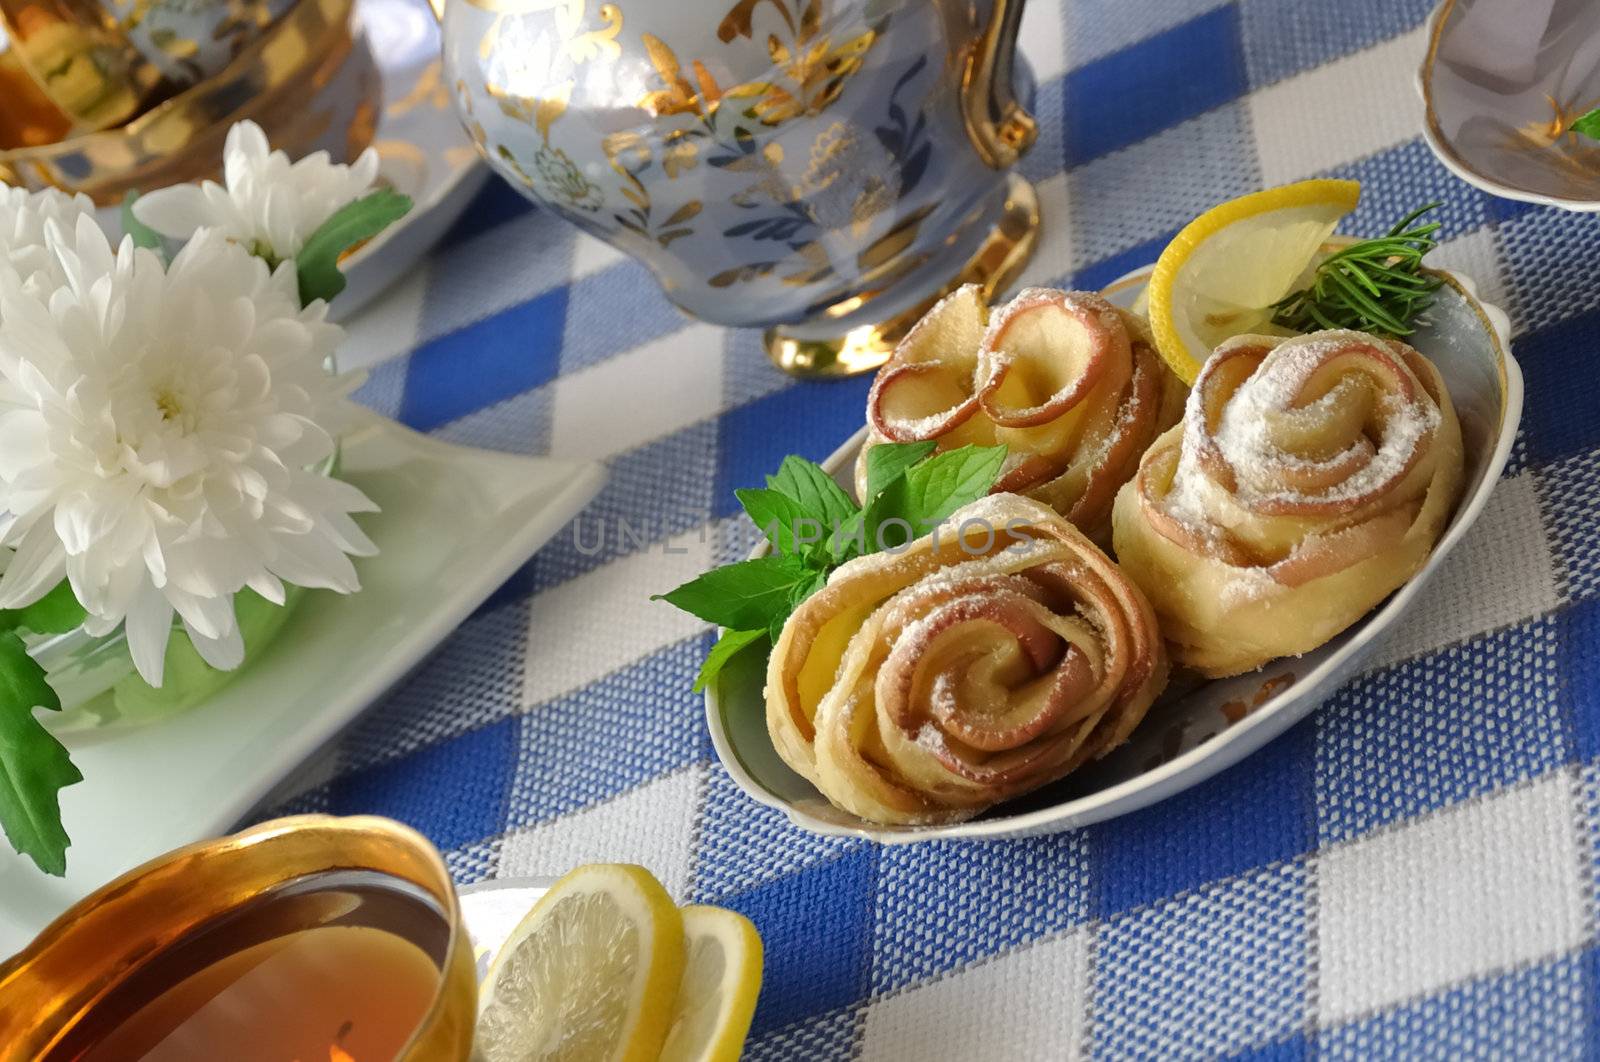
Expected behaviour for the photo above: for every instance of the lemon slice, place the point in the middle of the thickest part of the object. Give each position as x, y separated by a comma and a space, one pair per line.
1220, 276
590, 974
720, 983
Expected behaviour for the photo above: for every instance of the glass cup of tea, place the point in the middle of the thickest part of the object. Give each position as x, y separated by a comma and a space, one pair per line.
312, 938
824, 169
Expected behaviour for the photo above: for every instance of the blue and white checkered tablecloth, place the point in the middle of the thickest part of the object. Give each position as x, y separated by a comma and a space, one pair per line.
1412, 871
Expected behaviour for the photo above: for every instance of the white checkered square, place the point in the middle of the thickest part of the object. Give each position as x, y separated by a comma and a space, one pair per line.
1480, 888
1501, 573
590, 626
1028, 1004
652, 825
1356, 105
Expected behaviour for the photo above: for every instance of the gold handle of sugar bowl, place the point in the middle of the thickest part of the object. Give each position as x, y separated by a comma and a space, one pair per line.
1000, 127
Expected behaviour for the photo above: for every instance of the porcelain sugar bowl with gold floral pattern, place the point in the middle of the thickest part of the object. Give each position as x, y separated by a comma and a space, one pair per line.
823, 169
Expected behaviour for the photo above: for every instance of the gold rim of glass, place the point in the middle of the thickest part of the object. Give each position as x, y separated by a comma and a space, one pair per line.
55, 983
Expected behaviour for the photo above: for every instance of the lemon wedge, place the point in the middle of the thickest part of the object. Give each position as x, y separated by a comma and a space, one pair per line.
721, 980
1220, 276
591, 973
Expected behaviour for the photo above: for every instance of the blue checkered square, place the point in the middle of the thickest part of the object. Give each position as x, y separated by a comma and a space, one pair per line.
1257, 812
455, 791
1153, 85
1100, 27
941, 906
809, 419
1579, 632
1434, 731
1562, 375
484, 363
1207, 972
817, 932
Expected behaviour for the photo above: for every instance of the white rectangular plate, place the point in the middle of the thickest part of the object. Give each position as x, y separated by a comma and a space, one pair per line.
455, 524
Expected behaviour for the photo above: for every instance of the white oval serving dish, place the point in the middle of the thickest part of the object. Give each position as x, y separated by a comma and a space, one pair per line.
1194, 730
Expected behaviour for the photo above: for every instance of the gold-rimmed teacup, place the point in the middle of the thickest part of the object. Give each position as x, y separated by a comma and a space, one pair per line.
99, 970
310, 81
101, 63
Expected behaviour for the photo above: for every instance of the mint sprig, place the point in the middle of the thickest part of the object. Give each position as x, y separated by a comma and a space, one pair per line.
814, 526
1588, 124
34, 766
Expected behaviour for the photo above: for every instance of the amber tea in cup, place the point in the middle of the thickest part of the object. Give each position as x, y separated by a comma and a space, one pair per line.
312, 939
337, 966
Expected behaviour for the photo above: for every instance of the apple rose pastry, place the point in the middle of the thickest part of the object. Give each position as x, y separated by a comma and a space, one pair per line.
926, 685
1070, 384
1310, 478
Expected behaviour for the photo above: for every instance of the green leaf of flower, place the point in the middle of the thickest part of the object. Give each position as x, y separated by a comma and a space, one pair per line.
318, 261
887, 462
727, 647
809, 487
34, 766
925, 496
55, 613
143, 235
743, 596
1588, 124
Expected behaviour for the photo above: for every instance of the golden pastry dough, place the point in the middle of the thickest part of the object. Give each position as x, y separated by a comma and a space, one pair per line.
1311, 477
926, 685
1071, 385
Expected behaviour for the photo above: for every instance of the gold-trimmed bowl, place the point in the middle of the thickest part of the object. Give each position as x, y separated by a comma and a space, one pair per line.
1501, 84
311, 82
97, 64
54, 984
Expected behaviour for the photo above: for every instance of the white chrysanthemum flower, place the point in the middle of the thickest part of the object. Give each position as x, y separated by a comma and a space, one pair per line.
23, 215
158, 427
270, 205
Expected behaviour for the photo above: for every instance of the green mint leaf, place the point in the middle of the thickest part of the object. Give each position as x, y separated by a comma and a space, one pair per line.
887, 462
34, 766
143, 235
849, 539
925, 496
809, 487
743, 596
318, 261
55, 613
790, 528
797, 597
1588, 124
728, 646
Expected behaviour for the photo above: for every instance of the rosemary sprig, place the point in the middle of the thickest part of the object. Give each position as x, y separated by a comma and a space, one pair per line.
1372, 286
